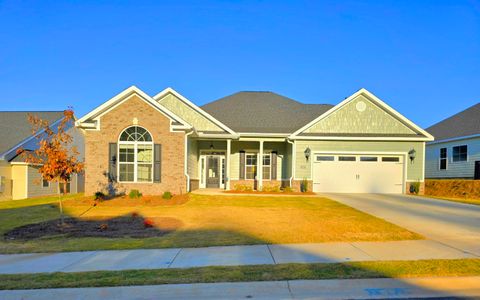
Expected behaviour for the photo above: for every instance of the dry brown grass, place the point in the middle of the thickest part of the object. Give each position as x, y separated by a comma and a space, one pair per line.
204, 221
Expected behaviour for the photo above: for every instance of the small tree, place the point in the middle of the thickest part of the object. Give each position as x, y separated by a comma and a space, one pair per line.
55, 155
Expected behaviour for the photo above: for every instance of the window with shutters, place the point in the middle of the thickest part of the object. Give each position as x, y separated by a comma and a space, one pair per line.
250, 165
135, 155
267, 166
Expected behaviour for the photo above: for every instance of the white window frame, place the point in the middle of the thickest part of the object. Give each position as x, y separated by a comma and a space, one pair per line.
459, 161
269, 153
135, 157
440, 159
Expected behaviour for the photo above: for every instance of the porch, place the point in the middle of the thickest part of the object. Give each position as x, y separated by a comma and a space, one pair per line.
234, 164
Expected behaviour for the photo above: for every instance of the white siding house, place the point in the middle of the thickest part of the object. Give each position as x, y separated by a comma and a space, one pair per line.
455, 153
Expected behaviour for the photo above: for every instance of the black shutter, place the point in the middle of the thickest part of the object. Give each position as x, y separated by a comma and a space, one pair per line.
157, 163
242, 164
112, 161
274, 165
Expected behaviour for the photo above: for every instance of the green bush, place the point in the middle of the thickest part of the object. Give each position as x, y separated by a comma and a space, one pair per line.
304, 186
134, 194
167, 195
415, 187
288, 189
243, 188
99, 196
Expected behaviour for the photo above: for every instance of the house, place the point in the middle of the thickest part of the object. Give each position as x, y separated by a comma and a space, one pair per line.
18, 179
249, 139
455, 153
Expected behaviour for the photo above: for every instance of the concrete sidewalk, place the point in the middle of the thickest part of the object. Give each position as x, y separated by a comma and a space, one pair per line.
227, 256
383, 288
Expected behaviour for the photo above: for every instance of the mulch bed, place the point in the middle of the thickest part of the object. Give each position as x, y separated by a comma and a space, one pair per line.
126, 226
129, 202
269, 193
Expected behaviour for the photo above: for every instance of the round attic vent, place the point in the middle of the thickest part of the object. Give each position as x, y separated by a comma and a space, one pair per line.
360, 106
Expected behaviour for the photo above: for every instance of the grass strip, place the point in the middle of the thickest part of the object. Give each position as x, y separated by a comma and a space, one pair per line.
354, 270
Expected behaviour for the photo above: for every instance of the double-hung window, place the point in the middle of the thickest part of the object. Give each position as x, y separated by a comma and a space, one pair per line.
135, 149
267, 166
443, 158
250, 165
459, 153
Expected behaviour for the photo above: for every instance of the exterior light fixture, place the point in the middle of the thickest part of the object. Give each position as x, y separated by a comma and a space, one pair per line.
307, 153
411, 154
211, 146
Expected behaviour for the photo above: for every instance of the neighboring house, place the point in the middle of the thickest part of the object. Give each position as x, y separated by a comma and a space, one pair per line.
455, 153
19, 180
256, 139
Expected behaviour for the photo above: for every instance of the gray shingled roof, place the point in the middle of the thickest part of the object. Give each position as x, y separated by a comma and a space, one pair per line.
14, 126
464, 123
263, 112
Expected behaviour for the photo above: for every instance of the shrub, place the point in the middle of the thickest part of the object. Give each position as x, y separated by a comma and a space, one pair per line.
243, 188
167, 195
288, 189
99, 196
103, 227
275, 188
134, 194
147, 223
415, 187
304, 185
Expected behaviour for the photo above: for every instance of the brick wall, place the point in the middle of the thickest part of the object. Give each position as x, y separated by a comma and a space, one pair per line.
112, 124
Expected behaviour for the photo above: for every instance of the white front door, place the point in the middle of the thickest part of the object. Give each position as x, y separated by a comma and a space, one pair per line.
344, 173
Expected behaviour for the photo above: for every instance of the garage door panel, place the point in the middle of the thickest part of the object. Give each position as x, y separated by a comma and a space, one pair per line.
367, 174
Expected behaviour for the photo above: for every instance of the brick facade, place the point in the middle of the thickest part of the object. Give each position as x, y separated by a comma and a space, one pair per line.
111, 125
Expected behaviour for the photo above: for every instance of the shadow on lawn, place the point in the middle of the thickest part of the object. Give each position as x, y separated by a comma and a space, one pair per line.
135, 227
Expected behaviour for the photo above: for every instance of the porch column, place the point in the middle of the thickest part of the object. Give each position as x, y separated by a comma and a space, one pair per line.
260, 167
227, 165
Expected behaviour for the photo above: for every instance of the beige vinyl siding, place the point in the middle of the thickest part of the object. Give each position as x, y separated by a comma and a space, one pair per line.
414, 170
19, 182
6, 173
348, 119
187, 113
454, 169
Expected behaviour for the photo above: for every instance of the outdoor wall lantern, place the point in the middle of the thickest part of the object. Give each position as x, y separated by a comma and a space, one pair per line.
412, 153
211, 146
307, 153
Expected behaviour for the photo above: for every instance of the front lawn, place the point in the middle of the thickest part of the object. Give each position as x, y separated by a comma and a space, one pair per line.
193, 221
353, 270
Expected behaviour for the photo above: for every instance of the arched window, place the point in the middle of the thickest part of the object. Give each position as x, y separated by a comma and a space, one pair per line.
135, 153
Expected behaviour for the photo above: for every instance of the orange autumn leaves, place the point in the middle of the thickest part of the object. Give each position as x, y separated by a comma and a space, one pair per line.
56, 158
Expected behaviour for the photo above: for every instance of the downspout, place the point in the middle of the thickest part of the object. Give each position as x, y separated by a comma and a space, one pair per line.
293, 161
185, 167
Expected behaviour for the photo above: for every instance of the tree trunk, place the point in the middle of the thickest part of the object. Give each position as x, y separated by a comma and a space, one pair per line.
60, 206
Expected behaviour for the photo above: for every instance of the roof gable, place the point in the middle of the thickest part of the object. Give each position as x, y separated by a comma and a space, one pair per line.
463, 124
15, 129
191, 113
362, 115
263, 112
91, 120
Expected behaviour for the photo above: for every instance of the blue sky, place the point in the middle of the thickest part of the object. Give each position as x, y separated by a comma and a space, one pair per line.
421, 57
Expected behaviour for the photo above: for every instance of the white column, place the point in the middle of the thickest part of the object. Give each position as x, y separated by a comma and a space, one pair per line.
260, 167
227, 166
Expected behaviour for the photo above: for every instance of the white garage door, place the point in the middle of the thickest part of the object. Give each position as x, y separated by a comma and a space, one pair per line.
342, 173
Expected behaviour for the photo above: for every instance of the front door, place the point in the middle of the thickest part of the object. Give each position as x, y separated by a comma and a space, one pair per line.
477, 170
213, 172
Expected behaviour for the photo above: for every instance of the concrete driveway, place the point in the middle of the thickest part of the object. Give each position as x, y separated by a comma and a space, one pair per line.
455, 224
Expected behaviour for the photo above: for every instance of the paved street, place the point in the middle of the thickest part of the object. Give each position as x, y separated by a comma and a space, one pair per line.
452, 223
